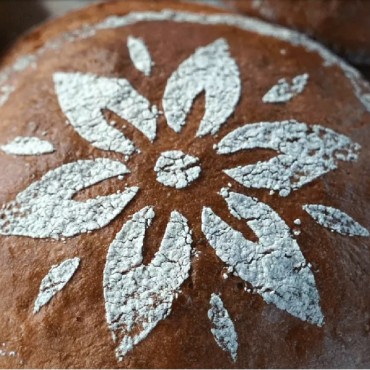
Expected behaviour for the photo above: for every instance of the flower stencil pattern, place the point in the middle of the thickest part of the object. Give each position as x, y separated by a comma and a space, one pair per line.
137, 296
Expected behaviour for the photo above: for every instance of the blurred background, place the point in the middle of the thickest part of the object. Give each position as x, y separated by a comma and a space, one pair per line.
18, 16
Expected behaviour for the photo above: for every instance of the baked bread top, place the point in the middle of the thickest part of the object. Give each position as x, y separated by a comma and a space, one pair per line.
341, 25
182, 187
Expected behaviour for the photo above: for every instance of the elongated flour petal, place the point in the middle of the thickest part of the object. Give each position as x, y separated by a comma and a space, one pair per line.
335, 220
274, 265
138, 297
46, 208
210, 69
55, 280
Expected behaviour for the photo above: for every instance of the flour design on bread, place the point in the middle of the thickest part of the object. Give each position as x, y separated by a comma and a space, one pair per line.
210, 69
274, 265
305, 153
335, 220
138, 296
4, 352
284, 91
223, 328
54, 281
82, 98
140, 55
176, 169
46, 208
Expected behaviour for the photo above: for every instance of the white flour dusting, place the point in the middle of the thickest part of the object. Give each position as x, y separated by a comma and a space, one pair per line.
223, 329
176, 169
139, 55
335, 220
274, 265
284, 91
25, 145
4, 353
210, 69
306, 153
55, 280
138, 297
46, 209
82, 98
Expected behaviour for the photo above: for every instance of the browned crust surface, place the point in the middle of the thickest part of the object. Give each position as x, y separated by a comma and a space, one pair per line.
71, 331
342, 25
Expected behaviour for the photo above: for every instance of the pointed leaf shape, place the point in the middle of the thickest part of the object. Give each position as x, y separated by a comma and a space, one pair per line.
274, 266
223, 329
28, 145
139, 55
335, 220
307, 152
54, 281
138, 297
82, 98
46, 209
210, 69
284, 91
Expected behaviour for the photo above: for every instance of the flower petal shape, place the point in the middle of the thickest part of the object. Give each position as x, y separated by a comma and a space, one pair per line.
210, 69
274, 266
177, 169
139, 55
138, 297
46, 209
28, 145
223, 328
55, 280
82, 98
307, 152
335, 220
284, 91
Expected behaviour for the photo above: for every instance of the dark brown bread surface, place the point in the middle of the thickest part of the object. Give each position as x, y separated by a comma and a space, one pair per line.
342, 25
72, 330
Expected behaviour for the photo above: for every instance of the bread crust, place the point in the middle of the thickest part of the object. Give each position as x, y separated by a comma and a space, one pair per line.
71, 330
341, 25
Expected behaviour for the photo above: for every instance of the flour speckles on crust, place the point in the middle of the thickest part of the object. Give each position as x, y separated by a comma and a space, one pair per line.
26, 145
176, 169
284, 91
82, 98
5, 92
139, 55
274, 265
223, 329
5, 352
335, 220
210, 69
46, 209
264, 9
138, 297
54, 281
307, 152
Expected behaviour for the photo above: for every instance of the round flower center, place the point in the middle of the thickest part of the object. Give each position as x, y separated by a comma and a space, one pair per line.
176, 169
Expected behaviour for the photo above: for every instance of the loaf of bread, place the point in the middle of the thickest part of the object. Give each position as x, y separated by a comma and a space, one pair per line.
182, 187
342, 25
